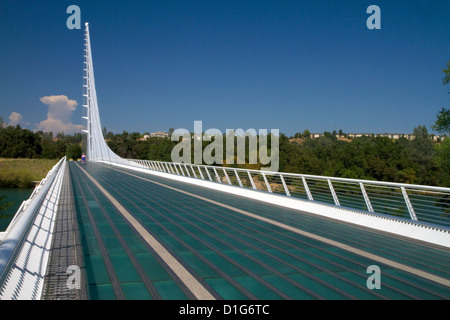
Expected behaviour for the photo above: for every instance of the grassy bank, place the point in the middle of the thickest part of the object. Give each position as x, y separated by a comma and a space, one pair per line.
21, 173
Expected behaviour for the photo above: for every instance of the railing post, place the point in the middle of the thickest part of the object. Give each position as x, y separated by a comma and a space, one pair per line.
176, 169
201, 173
193, 171
226, 175
238, 178
333, 193
286, 190
308, 192
267, 182
181, 170
217, 175
187, 170
366, 197
408, 204
251, 180
207, 172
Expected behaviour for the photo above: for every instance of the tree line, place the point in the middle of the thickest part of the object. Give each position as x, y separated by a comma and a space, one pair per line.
420, 161
17, 142
374, 158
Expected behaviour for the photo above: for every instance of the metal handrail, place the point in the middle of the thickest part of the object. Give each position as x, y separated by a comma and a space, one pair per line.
429, 204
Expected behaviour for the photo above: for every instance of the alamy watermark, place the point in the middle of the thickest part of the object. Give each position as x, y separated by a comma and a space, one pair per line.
74, 279
74, 20
374, 20
374, 280
235, 146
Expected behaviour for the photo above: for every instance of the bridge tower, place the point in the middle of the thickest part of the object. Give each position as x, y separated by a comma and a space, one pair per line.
96, 148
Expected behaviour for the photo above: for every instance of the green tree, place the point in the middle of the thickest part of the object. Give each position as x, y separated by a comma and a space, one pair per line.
73, 151
307, 134
48, 147
160, 149
446, 71
422, 154
442, 124
171, 130
16, 142
442, 161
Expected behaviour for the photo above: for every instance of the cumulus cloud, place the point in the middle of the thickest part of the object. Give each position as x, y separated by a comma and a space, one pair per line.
60, 109
15, 119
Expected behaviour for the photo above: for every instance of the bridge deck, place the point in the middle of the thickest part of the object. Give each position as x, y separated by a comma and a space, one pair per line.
146, 237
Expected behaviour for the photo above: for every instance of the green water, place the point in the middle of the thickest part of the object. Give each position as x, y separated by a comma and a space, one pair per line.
16, 196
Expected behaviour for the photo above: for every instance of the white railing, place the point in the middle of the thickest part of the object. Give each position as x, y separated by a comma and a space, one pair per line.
25, 246
426, 204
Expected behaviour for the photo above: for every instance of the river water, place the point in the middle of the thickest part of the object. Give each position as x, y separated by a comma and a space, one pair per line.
15, 195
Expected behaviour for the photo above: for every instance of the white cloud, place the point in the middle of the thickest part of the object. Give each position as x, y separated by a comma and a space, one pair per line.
15, 118
60, 109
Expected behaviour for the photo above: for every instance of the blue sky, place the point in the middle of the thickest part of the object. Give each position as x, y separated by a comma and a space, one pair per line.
287, 65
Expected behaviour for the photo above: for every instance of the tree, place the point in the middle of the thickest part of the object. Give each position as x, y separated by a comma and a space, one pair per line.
442, 124
442, 161
422, 153
307, 134
48, 147
442, 150
446, 79
16, 142
171, 130
73, 151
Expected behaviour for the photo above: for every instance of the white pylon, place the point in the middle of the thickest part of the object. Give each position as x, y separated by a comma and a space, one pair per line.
96, 148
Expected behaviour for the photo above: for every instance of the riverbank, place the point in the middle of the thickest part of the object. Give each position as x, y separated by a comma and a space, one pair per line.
23, 173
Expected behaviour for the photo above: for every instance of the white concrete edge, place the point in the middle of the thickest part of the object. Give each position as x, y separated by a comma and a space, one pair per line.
32, 290
381, 222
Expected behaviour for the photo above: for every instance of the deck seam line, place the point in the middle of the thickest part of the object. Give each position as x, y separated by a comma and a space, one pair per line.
108, 264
